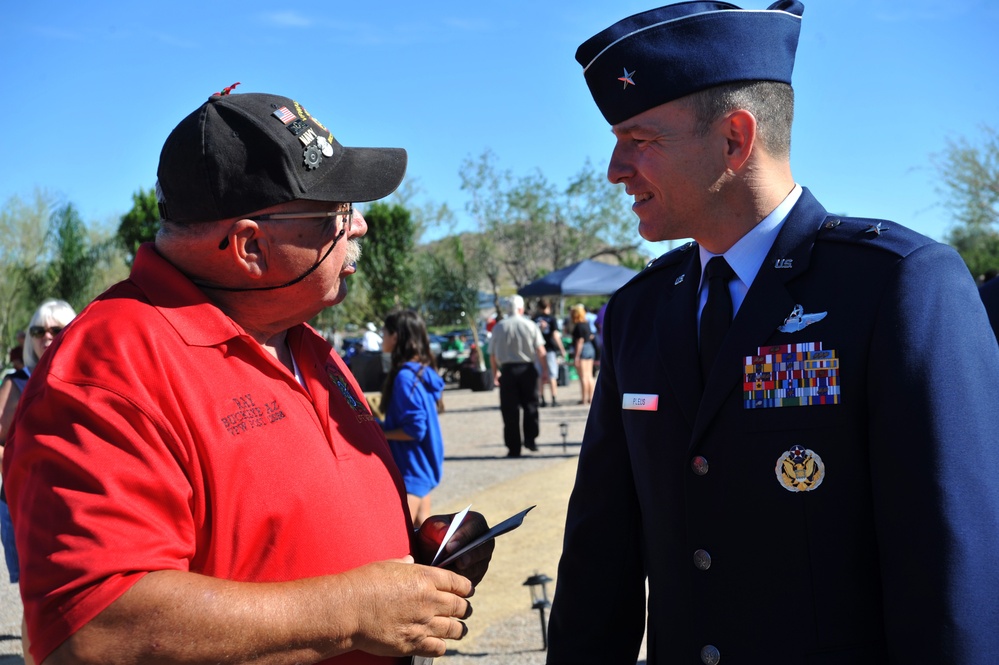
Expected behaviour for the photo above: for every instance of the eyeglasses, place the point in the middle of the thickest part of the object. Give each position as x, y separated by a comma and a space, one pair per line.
343, 210
348, 213
38, 331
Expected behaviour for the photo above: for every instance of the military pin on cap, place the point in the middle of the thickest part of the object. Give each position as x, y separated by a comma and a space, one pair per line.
627, 78
313, 157
325, 146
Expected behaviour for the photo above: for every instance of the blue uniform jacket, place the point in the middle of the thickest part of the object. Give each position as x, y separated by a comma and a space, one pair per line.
863, 531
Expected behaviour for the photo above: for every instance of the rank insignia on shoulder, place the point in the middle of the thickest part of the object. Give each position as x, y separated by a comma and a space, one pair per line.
876, 229
800, 470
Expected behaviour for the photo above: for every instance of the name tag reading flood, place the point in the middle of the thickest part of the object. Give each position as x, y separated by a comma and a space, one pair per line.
640, 402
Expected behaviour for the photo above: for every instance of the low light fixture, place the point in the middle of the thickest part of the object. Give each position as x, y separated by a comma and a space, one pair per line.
538, 583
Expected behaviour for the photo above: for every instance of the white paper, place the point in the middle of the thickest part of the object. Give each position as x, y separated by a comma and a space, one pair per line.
455, 523
507, 525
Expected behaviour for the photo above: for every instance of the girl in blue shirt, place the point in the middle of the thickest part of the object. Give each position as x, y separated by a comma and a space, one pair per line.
410, 396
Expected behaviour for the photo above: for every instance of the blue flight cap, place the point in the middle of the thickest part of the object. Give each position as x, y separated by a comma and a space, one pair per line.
663, 54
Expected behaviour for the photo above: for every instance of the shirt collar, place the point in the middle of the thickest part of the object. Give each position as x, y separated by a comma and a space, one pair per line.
197, 320
747, 255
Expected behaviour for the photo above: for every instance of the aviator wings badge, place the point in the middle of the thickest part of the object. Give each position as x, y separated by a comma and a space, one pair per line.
798, 320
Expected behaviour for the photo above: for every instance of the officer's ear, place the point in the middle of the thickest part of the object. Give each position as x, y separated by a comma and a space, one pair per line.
247, 245
738, 128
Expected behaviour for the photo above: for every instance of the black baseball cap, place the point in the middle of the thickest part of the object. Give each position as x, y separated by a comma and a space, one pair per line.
240, 153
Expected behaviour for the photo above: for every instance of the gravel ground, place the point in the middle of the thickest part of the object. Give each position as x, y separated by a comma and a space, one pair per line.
503, 628
10, 620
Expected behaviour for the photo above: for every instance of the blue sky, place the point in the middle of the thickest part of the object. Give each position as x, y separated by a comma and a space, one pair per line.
93, 88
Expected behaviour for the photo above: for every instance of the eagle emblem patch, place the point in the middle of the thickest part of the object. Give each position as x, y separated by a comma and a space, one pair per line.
800, 470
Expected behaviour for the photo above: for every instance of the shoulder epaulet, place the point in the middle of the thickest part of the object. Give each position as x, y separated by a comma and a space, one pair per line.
879, 233
671, 257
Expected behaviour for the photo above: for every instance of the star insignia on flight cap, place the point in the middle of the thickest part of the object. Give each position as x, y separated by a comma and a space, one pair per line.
876, 229
627, 78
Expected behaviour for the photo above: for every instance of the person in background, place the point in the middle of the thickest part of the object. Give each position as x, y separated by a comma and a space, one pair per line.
599, 325
583, 351
16, 357
213, 484
456, 343
371, 340
591, 318
335, 338
48, 321
17, 352
517, 349
791, 452
410, 398
554, 350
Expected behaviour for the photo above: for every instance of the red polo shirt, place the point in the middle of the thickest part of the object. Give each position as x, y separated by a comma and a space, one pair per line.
157, 435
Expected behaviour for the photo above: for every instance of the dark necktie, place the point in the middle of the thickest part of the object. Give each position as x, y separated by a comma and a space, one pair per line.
717, 313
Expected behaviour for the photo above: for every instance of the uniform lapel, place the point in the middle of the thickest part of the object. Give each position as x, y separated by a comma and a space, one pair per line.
676, 334
765, 307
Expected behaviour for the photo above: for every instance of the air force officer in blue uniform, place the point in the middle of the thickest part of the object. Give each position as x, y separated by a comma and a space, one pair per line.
797, 448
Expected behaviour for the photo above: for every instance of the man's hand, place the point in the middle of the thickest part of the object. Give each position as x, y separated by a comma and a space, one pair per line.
388, 608
473, 564
408, 609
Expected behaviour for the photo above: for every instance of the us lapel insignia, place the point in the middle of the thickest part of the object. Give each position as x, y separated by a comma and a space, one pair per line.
798, 320
679, 279
800, 470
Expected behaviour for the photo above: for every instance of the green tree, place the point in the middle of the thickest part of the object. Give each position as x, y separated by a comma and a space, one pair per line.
450, 293
50, 254
22, 226
535, 227
450, 288
73, 259
388, 257
139, 224
969, 183
111, 264
486, 260
600, 214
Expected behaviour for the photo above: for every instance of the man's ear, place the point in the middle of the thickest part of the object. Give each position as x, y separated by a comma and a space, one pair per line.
739, 130
248, 245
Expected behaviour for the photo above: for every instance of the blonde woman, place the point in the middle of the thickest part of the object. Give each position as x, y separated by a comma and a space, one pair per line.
583, 351
47, 322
